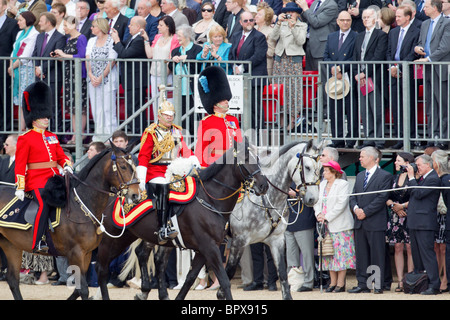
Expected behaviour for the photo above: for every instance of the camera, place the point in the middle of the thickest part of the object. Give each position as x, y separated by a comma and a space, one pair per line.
403, 168
288, 16
353, 5
208, 46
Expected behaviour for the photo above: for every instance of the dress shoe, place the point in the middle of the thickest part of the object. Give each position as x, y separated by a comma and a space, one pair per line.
339, 289
349, 145
379, 146
254, 286
304, 289
59, 283
330, 289
377, 291
358, 290
366, 144
272, 287
442, 146
430, 292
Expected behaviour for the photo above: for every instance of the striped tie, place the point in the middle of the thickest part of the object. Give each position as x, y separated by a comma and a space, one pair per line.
366, 179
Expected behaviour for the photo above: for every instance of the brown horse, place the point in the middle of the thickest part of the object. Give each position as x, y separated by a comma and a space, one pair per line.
106, 176
202, 222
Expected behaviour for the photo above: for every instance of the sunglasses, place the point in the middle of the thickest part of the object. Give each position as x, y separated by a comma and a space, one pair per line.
101, 1
248, 20
207, 10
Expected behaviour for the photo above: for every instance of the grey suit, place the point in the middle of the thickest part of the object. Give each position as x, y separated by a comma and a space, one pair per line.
179, 18
321, 22
435, 98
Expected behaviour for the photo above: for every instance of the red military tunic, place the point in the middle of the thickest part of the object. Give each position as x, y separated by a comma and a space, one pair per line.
215, 135
37, 148
148, 153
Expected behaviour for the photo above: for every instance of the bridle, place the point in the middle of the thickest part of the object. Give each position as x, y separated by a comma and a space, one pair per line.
121, 191
247, 176
299, 166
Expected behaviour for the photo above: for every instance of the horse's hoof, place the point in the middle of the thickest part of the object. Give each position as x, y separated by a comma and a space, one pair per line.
220, 295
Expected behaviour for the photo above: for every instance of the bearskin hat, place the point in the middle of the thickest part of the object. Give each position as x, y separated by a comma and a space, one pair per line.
37, 102
213, 87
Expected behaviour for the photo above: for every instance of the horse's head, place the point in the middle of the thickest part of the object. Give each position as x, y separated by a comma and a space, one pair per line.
247, 162
305, 168
120, 173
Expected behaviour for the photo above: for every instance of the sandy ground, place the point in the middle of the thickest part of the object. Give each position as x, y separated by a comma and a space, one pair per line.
49, 292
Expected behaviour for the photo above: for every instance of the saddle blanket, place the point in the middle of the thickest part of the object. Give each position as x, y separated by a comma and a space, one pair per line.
181, 192
20, 215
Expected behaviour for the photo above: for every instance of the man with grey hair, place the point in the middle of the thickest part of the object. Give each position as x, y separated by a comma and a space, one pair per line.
170, 8
370, 220
143, 10
422, 221
117, 20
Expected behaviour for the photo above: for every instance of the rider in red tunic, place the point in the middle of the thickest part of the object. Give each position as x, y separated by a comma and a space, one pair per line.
37, 156
161, 143
218, 130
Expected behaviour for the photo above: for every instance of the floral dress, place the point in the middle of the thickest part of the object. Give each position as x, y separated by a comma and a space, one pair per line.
397, 232
344, 247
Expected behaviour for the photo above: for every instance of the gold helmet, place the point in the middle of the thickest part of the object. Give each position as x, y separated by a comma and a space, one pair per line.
165, 107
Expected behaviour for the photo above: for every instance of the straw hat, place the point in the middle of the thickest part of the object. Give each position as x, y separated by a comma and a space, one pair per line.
337, 89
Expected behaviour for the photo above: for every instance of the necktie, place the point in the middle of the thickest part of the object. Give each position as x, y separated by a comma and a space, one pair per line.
233, 21
44, 44
420, 6
364, 44
341, 41
429, 34
399, 45
240, 46
366, 180
317, 7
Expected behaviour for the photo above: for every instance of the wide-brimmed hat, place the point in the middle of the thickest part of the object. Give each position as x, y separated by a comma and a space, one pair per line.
337, 89
37, 102
213, 87
291, 7
334, 165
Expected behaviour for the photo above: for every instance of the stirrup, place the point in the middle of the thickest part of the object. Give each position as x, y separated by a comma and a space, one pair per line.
41, 247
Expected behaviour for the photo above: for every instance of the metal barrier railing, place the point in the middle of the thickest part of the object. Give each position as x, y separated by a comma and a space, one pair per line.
273, 109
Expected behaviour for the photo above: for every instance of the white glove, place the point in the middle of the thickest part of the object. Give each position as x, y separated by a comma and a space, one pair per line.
195, 162
20, 194
68, 169
141, 174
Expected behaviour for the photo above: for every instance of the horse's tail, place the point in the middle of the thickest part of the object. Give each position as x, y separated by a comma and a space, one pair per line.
132, 263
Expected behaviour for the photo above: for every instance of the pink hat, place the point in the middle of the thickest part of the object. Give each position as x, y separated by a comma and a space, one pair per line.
334, 165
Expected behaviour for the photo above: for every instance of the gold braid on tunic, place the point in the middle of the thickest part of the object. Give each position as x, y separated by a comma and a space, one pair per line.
160, 147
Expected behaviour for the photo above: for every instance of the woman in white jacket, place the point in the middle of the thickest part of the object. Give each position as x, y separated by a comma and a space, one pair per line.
333, 209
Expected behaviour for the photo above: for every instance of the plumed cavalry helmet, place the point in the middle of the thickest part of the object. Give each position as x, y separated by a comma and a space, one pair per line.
213, 87
165, 107
37, 102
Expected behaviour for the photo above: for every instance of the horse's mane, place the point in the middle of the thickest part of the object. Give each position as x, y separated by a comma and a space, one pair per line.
268, 161
84, 173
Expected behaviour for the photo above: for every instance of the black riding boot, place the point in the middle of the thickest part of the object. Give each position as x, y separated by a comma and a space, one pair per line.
162, 208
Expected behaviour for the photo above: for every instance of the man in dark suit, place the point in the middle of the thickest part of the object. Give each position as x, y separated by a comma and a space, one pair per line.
370, 45
370, 220
420, 13
401, 43
236, 8
117, 20
7, 163
143, 10
50, 71
133, 74
434, 46
84, 26
422, 222
339, 47
8, 33
250, 45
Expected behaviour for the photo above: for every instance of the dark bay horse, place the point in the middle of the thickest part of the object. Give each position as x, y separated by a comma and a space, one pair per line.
203, 221
108, 175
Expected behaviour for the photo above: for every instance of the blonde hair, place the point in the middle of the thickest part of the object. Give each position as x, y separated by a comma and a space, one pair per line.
218, 30
268, 12
102, 24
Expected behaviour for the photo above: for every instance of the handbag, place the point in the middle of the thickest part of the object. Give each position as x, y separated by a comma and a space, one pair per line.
326, 248
415, 282
296, 278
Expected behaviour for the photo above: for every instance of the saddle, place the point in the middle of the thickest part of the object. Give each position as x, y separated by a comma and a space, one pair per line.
20, 215
181, 193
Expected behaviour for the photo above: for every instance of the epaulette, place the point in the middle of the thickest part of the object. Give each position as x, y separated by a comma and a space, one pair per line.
177, 127
151, 128
25, 132
209, 115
